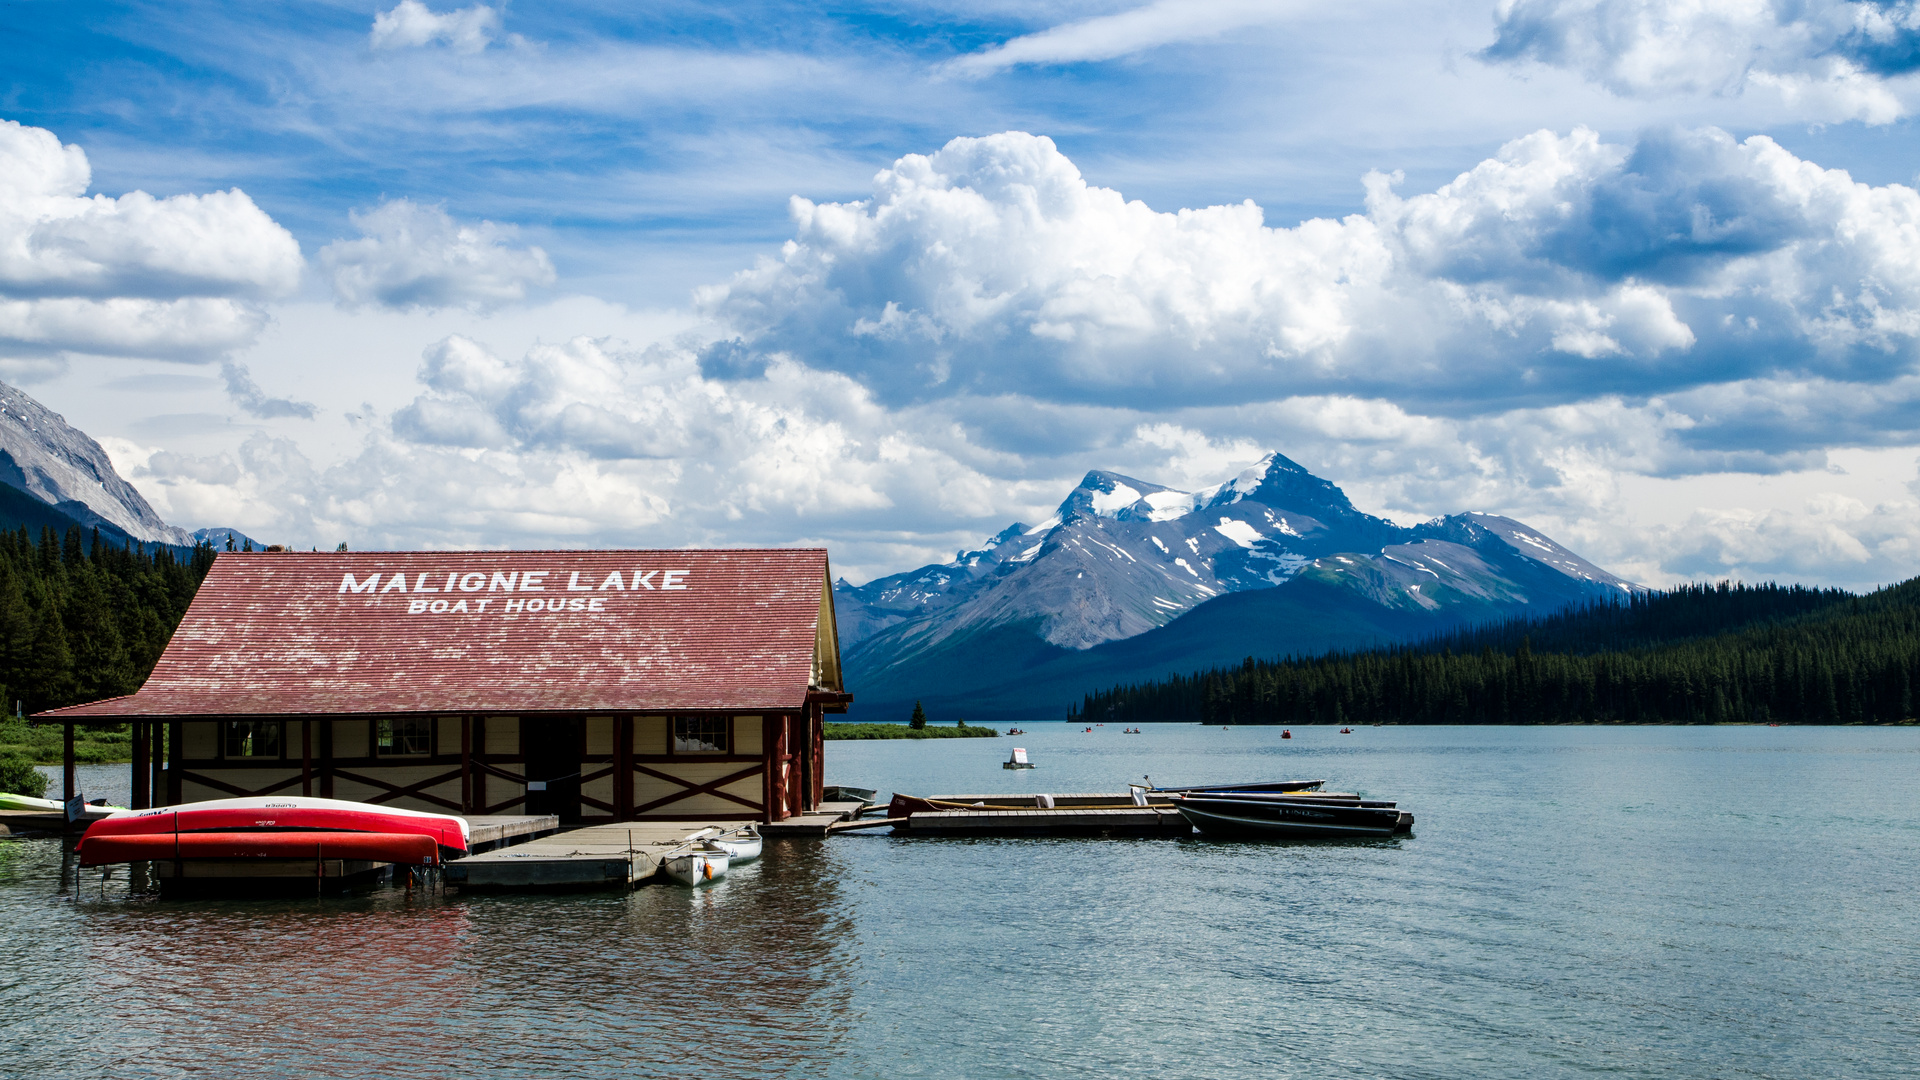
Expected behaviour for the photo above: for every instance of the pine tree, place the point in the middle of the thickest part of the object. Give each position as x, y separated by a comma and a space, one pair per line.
919, 720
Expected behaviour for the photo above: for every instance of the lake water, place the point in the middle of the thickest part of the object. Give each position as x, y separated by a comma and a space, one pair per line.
1639, 902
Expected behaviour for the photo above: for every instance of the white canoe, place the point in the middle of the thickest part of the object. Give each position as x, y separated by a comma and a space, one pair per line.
742, 846
698, 866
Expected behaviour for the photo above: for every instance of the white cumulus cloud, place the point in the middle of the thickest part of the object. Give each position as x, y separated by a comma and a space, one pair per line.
411, 255
1563, 268
1834, 59
411, 24
181, 277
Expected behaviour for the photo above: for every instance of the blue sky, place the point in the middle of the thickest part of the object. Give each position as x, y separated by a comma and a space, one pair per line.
886, 277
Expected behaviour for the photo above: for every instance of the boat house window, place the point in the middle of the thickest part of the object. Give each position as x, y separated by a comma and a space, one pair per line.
253, 738
700, 734
404, 736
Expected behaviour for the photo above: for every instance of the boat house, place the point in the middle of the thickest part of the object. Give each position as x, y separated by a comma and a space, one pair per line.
595, 685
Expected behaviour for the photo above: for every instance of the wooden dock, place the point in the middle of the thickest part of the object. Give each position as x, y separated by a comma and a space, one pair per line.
815, 823
621, 855
487, 832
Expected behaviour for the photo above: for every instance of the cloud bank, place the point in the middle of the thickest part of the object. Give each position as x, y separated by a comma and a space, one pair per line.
1834, 60
180, 278
915, 370
1561, 269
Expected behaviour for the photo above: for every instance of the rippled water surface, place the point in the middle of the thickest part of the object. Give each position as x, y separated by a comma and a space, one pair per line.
1646, 902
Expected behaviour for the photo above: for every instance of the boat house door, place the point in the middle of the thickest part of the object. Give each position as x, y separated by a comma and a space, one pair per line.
553, 748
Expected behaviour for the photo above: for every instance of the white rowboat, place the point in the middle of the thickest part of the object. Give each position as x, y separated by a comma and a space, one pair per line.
741, 846
707, 863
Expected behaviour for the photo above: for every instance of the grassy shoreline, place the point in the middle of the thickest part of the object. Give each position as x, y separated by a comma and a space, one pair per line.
43, 744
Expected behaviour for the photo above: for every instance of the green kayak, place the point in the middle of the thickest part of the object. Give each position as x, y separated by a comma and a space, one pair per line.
44, 806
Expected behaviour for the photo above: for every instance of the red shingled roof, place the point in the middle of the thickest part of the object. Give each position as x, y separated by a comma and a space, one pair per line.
292, 634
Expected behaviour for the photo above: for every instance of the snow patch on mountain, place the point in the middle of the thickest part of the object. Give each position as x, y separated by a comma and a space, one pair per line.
1238, 531
1123, 556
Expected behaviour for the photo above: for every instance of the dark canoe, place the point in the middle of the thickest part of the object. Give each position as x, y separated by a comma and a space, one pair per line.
1279, 816
844, 793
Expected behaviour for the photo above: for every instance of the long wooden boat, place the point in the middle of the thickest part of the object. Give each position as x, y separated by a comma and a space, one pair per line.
904, 805
1291, 815
277, 823
1256, 786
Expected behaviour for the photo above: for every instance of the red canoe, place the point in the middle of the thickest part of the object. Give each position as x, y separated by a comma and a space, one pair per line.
410, 849
273, 824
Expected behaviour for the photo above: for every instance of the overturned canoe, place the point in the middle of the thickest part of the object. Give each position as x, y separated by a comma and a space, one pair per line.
178, 830
410, 849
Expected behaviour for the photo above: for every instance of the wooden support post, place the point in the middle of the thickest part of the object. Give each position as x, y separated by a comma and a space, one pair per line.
480, 803
141, 767
466, 764
306, 757
769, 763
67, 766
156, 764
174, 756
817, 754
789, 771
326, 759
623, 768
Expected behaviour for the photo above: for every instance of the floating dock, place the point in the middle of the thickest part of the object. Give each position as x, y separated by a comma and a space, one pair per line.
620, 855
816, 823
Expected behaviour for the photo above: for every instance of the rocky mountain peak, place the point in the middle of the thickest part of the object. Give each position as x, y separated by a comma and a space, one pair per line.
55, 462
1125, 556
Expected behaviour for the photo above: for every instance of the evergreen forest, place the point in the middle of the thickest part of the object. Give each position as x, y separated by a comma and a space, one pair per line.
1698, 654
82, 619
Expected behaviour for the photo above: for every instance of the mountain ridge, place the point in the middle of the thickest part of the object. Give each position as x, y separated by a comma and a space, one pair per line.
60, 465
1126, 560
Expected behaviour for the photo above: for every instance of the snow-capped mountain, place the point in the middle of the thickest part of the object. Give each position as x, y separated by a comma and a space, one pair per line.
60, 465
1124, 560
1122, 556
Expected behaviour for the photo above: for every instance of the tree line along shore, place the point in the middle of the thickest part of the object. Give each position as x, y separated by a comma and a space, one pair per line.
81, 620
1694, 655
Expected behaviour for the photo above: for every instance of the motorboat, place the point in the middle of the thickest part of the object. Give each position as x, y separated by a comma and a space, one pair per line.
699, 865
742, 845
275, 827
1291, 814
